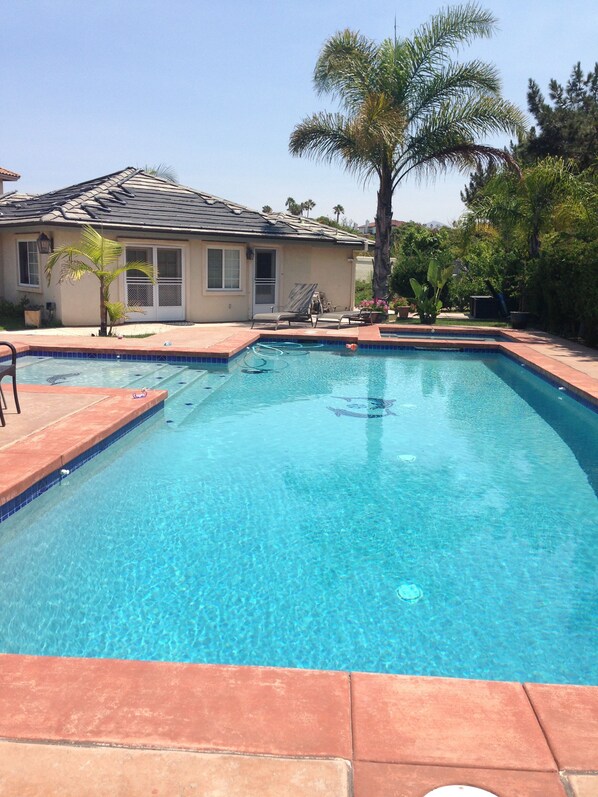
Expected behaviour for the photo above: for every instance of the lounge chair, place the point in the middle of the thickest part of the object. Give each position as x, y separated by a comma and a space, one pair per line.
297, 308
361, 316
8, 370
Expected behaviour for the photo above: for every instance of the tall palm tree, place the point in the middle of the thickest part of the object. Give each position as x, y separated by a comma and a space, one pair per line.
308, 205
407, 109
97, 256
337, 210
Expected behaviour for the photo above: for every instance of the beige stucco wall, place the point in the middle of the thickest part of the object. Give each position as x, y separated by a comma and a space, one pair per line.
77, 304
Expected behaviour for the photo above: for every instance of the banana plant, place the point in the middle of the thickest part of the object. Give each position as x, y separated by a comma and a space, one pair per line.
427, 295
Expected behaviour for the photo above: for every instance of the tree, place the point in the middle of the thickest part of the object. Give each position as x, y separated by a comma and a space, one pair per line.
337, 210
98, 256
569, 127
266, 209
293, 207
407, 109
525, 207
308, 205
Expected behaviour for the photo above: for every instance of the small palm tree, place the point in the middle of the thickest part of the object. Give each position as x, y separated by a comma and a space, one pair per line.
337, 210
407, 109
98, 256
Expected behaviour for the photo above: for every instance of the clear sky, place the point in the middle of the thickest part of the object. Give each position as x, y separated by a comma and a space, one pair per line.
213, 88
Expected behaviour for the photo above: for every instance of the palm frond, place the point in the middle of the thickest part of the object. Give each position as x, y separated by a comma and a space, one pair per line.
135, 265
346, 67
452, 82
100, 250
431, 44
330, 137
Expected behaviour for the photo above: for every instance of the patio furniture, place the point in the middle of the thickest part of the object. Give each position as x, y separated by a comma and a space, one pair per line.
362, 316
8, 370
297, 308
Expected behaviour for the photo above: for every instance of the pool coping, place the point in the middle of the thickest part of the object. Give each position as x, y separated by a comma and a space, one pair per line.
289, 712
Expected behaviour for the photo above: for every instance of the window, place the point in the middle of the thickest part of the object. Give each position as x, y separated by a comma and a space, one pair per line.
28, 264
224, 269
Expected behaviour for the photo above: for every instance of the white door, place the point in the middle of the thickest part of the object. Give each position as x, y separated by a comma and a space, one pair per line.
265, 293
164, 299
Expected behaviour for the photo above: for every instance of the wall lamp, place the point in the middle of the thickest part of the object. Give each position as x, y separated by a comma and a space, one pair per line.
45, 245
249, 253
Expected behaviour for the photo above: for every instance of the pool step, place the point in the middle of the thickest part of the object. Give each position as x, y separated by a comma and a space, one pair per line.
190, 399
160, 377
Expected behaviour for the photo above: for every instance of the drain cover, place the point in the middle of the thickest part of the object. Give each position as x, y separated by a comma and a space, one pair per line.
410, 593
459, 791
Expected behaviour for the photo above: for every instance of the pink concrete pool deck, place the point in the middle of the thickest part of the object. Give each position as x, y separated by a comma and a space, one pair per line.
105, 727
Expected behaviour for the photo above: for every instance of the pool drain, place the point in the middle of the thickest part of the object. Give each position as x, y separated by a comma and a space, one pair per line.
459, 791
410, 593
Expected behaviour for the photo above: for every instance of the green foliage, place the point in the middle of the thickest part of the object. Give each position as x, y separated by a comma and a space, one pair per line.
413, 247
568, 127
427, 295
566, 286
363, 291
13, 309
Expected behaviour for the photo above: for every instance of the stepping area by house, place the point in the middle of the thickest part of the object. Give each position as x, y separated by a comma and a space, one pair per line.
83, 726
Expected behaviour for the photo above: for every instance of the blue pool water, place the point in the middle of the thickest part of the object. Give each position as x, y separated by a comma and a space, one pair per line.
424, 513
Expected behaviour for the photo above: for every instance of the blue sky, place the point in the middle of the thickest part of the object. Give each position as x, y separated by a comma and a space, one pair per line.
214, 89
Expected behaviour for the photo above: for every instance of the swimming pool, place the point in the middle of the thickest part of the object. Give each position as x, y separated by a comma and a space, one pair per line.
425, 513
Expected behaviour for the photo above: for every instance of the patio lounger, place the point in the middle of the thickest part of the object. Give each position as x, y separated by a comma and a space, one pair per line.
8, 370
297, 308
350, 316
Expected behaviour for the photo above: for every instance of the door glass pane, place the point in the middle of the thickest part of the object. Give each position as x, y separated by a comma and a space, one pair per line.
169, 264
138, 255
170, 295
265, 293
264, 265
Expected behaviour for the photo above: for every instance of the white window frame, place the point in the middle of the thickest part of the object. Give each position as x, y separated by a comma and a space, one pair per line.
29, 286
222, 248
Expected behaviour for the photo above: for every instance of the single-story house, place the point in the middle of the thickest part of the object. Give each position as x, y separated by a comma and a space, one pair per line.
214, 260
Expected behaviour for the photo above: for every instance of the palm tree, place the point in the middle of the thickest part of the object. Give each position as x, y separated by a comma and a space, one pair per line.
308, 205
293, 207
162, 170
96, 255
337, 210
407, 109
524, 206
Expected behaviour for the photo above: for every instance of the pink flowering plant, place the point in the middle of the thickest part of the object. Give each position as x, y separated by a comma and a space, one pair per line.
374, 305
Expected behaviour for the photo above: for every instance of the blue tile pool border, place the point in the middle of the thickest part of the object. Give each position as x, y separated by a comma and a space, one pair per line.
41, 486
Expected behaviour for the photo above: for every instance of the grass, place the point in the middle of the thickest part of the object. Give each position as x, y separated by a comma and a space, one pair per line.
455, 322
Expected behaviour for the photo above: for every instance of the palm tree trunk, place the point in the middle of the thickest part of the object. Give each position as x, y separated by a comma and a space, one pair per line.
383, 233
103, 311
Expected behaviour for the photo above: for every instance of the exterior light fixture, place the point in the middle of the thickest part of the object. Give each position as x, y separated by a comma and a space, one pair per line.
44, 244
249, 253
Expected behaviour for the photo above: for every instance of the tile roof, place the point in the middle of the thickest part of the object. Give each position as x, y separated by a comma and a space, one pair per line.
6, 174
134, 199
